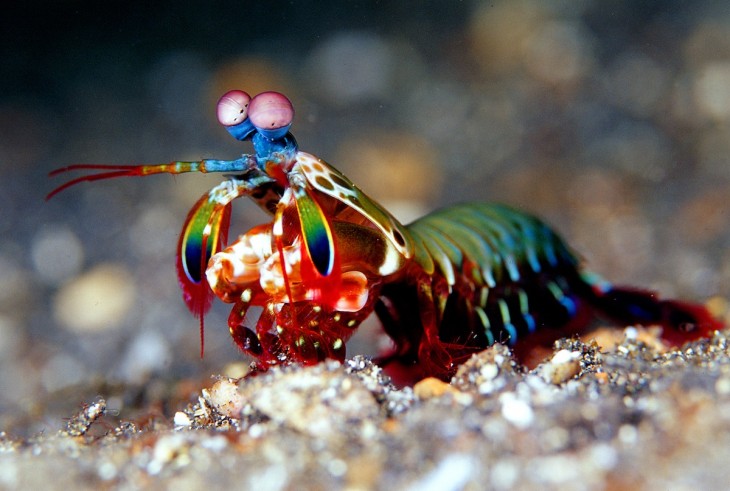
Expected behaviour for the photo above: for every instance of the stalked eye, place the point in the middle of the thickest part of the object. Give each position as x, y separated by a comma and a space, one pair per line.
233, 107
270, 111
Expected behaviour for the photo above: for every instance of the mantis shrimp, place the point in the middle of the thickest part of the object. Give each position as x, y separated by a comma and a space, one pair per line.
445, 286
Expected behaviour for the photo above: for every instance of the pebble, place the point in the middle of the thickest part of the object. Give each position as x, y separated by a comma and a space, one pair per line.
516, 411
431, 387
322, 401
57, 254
169, 449
224, 396
451, 474
182, 419
563, 366
95, 301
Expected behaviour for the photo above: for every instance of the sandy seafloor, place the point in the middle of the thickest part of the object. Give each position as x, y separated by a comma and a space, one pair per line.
639, 417
609, 119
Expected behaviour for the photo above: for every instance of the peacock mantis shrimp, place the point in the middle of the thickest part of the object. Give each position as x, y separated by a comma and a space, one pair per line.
444, 286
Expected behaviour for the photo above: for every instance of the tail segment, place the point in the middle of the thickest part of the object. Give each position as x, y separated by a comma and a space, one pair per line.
682, 321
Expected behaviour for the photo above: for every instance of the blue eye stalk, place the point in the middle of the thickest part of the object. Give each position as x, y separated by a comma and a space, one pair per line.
264, 119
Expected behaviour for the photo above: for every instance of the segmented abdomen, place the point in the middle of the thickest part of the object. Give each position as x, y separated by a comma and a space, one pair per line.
503, 273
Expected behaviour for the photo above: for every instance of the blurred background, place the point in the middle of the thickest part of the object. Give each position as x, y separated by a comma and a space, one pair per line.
610, 119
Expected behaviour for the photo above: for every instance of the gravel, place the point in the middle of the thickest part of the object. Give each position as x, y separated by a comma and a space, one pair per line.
633, 416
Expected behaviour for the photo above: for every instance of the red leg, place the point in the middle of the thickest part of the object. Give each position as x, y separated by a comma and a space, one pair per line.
433, 357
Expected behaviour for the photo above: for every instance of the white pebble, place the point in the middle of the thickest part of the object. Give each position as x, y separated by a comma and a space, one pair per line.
452, 473
489, 371
517, 412
563, 366
182, 419
504, 474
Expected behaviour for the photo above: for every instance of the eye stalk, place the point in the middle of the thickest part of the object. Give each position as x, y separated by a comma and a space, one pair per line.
271, 113
264, 120
232, 112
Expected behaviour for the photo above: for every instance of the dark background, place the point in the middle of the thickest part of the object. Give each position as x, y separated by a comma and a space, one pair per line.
607, 118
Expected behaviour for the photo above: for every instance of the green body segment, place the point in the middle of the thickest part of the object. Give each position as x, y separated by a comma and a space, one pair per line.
502, 272
498, 239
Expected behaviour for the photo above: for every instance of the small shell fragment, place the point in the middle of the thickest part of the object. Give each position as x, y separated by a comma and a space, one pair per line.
563, 366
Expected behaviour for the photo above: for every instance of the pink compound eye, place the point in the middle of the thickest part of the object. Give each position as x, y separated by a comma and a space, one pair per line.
233, 107
270, 111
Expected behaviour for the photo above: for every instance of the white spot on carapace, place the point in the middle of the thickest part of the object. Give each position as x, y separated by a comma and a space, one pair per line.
392, 261
246, 295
